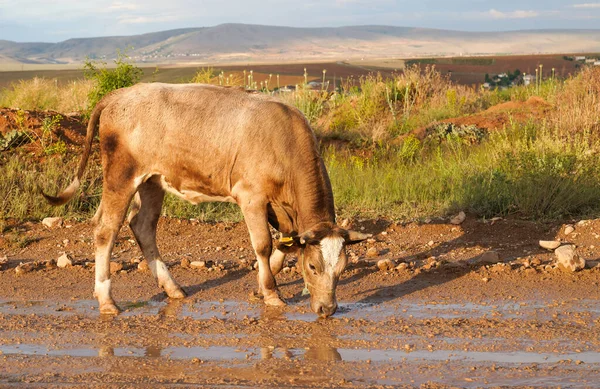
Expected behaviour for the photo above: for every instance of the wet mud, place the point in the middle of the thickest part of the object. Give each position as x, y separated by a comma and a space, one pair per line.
445, 319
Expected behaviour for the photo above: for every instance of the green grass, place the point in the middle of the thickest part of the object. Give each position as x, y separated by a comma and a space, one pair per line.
530, 172
547, 169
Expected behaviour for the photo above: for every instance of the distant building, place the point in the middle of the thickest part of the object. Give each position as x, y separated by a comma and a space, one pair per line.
528, 79
590, 60
580, 58
597, 63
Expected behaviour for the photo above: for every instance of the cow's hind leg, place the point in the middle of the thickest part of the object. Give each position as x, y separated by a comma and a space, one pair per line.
255, 214
114, 207
143, 220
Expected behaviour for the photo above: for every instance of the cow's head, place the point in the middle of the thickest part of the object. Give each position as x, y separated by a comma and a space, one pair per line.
322, 259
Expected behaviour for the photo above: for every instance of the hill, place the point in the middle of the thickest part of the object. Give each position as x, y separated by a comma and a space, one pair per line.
256, 43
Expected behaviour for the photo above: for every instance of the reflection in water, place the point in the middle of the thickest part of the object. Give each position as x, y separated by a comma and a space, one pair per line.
172, 309
106, 351
153, 352
323, 354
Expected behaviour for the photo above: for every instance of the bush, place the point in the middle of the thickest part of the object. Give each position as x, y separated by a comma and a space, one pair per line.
123, 75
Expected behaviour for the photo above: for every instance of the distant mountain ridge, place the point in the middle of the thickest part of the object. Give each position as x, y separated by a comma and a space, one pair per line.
255, 43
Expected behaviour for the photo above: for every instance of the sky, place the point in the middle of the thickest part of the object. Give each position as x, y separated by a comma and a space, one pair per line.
58, 20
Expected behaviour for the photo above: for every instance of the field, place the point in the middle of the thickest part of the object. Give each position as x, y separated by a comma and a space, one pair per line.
462, 70
427, 302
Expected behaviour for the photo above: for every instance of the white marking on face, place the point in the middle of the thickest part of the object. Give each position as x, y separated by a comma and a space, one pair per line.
331, 247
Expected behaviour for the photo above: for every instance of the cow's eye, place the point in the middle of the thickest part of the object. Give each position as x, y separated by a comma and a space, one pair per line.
312, 267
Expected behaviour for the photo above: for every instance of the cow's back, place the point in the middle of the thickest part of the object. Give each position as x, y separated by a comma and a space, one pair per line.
206, 138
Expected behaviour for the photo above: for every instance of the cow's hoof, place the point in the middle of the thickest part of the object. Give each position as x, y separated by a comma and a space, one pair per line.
176, 293
274, 301
109, 309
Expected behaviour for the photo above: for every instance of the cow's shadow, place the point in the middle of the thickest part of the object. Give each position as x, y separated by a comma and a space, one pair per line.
192, 290
475, 234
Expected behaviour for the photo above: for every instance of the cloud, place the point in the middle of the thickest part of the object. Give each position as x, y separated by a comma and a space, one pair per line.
133, 19
587, 5
518, 14
117, 5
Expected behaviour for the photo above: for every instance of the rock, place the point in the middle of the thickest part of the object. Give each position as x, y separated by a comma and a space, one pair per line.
143, 266
345, 223
115, 267
198, 265
52, 222
372, 252
499, 268
286, 270
430, 243
485, 279
490, 257
25, 267
458, 219
568, 260
185, 263
385, 264
64, 261
569, 229
402, 266
3, 261
549, 244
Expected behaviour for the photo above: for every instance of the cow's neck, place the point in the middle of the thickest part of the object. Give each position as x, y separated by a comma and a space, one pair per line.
313, 196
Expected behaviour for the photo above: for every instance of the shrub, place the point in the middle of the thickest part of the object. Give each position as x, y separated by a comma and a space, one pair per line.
123, 75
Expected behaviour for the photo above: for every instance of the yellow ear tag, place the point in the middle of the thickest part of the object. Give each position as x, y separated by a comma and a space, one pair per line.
287, 241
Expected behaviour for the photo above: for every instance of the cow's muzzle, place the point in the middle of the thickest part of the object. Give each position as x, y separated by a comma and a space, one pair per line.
325, 309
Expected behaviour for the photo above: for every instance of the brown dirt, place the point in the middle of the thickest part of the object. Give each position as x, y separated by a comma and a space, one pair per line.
448, 320
497, 117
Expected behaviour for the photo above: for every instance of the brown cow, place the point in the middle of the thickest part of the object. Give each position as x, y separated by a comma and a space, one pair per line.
209, 143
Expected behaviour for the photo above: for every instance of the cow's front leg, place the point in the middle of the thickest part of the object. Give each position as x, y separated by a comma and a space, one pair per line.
255, 214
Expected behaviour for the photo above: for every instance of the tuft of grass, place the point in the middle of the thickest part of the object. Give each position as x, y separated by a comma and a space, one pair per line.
44, 94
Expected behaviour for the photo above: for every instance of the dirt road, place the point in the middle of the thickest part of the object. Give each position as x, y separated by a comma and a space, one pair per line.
445, 319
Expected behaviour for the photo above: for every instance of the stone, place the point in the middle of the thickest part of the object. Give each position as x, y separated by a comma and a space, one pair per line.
569, 229
25, 267
549, 244
185, 263
490, 257
115, 267
385, 264
64, 261
198, 265
458, 219
499, 268
568, 260
143, 266
402, 266
286, 270
3, 261
372, 252
52, 222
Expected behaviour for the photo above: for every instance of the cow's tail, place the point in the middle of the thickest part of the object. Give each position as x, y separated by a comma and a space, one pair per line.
67, 194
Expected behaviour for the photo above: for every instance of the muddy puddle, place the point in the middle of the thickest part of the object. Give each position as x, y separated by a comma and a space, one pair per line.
219, 353
235, 310
437, 342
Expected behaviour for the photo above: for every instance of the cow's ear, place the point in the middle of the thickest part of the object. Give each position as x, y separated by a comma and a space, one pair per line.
307, 237
355, 236
288, 244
